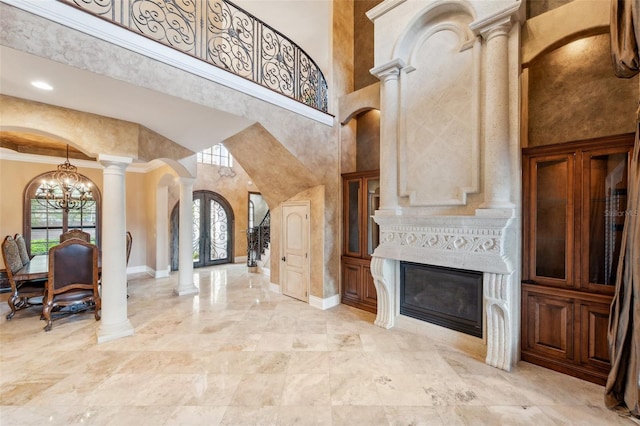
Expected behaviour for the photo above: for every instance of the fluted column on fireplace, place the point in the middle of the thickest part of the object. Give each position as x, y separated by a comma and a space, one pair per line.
502, 321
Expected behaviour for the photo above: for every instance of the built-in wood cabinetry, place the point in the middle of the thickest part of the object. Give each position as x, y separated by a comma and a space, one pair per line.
574, 201
361, 195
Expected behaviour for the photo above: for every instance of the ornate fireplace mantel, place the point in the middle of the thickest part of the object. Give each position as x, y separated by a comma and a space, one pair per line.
485, 242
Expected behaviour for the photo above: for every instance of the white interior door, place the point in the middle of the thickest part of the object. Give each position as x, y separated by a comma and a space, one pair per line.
295, 250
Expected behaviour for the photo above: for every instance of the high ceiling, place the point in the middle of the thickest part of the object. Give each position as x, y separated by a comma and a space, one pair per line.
191, 125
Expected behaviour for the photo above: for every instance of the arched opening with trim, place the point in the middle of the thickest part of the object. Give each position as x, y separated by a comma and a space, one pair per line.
43, 224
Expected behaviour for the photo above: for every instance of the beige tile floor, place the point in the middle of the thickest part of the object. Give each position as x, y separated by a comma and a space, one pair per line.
238, 354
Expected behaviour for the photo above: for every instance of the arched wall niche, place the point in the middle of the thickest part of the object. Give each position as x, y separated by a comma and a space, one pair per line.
569, 89
439, 125
579, 19
360, 130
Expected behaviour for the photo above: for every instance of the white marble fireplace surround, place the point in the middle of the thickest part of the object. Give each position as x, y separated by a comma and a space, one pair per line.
485, 243
449, 141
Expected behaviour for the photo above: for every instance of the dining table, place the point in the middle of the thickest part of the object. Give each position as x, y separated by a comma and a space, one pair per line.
36, 268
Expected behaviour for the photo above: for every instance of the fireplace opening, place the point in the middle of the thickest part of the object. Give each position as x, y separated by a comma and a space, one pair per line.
448, 297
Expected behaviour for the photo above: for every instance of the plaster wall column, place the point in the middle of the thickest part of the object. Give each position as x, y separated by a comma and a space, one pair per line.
162, 236
389, 112
185, 254
497, 161
114, 322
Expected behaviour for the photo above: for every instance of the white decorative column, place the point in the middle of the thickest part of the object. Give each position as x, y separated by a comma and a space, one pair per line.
114, 322
497, 159
185, 254
389, 113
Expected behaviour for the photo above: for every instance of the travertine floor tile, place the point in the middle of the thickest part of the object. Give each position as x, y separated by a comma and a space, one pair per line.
239, 354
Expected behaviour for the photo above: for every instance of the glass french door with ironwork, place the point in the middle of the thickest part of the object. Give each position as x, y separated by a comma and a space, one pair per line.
212, 230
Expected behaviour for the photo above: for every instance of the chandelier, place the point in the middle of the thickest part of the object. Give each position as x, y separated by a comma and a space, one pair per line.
67, 190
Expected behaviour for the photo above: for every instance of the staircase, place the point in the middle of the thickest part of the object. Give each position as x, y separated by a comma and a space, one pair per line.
258, 240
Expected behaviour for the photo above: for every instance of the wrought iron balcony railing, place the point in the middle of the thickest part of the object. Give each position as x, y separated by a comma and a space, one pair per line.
221, 34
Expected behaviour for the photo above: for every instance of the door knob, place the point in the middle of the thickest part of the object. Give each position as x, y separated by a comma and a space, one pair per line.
284, 259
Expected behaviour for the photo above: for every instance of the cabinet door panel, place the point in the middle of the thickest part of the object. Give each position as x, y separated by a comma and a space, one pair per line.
551, 227
594, 324
353, 217
550, 326
605, 175
351, 281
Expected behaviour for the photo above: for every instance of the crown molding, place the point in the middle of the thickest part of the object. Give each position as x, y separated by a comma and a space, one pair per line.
9, 155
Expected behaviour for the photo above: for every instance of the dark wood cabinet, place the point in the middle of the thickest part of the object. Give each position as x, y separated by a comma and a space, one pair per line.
361, 194
574, 203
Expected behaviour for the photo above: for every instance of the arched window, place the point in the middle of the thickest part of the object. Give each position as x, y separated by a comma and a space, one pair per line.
43, 223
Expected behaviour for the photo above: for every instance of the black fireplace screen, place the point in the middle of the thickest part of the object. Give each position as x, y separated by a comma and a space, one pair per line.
447, 297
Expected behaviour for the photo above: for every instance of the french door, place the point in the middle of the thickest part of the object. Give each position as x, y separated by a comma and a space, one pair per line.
212, 230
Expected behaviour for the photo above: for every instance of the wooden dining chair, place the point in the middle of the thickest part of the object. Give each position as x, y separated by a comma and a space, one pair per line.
72, 286
22, 248
23, 293
75, 233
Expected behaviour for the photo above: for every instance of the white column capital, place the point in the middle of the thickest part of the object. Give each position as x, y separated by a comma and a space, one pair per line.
498, 29
497, 24
106, 159
389, 71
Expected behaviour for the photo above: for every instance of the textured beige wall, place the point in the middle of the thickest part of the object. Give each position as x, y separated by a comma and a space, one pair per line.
368, 141
139, 217
91, 133
152, 180
363, 43
538, 7
574, 95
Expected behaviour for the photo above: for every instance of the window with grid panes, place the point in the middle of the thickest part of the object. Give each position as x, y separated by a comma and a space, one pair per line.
216, 155
43, 224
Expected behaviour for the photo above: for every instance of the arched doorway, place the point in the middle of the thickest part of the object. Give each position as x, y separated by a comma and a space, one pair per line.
213, 224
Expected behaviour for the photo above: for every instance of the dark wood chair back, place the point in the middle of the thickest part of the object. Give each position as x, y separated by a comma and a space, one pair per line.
73, 279
23, 293
75, 233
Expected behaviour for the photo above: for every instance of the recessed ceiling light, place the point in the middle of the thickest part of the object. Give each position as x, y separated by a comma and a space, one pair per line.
42, 85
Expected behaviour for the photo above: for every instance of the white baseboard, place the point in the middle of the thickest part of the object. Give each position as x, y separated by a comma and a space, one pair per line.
144, 269
141, 269
163, 274
274, 287
327, 303
240, 259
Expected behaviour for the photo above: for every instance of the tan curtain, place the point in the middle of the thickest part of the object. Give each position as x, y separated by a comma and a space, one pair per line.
622, 391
